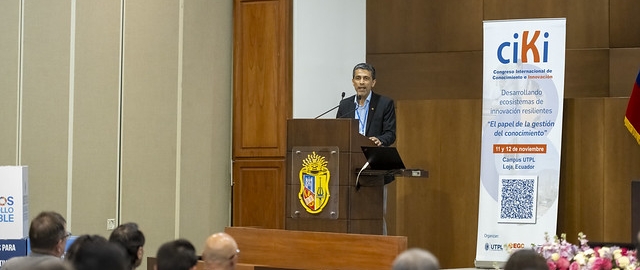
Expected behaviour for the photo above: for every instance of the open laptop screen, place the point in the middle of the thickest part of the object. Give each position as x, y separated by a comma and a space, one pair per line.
383, 158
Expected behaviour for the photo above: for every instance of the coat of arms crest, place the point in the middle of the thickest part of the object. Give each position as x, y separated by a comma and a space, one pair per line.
314, 183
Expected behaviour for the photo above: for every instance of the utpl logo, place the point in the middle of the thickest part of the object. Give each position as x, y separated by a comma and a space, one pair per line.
493, 247
508, 51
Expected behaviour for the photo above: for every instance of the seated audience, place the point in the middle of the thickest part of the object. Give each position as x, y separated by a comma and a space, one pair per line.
48, 237
96, 253
81, 241
132, 240
220, 252
176, 255
416, 259
526, 259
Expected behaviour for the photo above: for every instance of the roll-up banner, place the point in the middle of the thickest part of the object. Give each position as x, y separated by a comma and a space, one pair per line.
523, 90
14, 202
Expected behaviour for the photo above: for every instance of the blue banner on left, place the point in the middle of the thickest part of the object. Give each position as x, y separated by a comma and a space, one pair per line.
10, 248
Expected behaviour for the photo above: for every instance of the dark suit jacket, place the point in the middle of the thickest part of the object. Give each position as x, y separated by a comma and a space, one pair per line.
381, 121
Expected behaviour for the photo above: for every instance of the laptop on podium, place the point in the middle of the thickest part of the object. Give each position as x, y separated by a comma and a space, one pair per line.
383, 158
382, 161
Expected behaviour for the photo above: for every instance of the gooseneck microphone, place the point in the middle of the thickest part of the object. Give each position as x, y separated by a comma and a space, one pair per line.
349, 112
341, 98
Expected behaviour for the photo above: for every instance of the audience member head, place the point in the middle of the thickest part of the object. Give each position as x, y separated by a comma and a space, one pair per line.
81, 241
526, 259
132, 240
48, 234
416, 259
176, 255
99, 255
220, 252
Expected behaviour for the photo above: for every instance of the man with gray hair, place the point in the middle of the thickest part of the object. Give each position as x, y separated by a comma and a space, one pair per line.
48, 237
416, 259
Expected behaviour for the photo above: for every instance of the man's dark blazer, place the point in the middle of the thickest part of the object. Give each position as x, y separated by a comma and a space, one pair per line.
381, 121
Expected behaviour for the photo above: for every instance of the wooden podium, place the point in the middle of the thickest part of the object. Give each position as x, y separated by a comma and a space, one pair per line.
347, 210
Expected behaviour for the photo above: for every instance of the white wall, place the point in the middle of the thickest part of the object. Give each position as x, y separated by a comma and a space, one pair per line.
329, 39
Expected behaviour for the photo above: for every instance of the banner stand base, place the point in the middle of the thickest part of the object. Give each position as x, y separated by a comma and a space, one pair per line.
489, 264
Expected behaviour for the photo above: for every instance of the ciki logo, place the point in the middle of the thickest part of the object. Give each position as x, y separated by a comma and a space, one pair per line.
517, 51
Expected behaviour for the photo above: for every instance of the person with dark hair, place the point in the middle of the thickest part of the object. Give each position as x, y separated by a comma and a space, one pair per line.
416, 259
95, 254
220, 252
48, 238
376, 113
176, 255
81, 241
132, 240
526, 259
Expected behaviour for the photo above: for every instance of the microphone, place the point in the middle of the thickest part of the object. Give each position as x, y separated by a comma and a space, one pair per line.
349, 112
358, 177
341, 98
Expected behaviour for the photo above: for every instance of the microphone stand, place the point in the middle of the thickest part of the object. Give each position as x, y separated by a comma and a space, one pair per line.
327, 111
342, 97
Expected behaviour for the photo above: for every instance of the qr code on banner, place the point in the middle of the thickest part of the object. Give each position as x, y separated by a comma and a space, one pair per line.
517, 198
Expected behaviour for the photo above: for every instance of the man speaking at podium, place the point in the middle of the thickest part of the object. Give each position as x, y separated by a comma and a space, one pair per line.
375, 113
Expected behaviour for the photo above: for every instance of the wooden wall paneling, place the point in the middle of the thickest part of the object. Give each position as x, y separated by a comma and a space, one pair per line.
261, 105
316, 250
429, 76
259, 193
569, 195
590, 160
443, 137
587, 21
261, 83
410, 26
460, 134
587, 73
523, 9
583, 159
621, 166
417, 200
624, 65
624, 21
587, 24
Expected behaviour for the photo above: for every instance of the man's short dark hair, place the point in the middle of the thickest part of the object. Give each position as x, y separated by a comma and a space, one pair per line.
176, 255
365, 66
46, 230
130, 238
100, 256
80, 242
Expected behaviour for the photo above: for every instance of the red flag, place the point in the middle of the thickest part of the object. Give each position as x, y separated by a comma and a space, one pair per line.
632, 116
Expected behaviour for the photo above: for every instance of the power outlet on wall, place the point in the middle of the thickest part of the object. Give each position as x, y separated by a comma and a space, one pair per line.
111, 224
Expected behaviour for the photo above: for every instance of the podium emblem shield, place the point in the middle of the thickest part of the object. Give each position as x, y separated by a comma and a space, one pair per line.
314, 183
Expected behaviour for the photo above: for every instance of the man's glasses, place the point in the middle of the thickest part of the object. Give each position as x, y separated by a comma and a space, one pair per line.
66, 235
